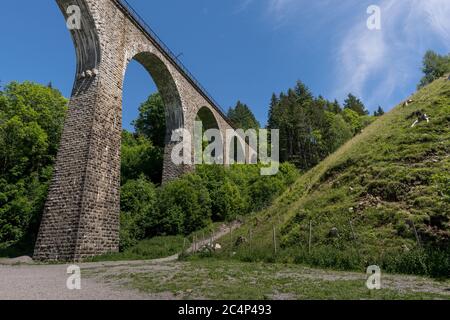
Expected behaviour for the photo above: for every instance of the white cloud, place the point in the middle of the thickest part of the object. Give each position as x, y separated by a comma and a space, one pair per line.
376, 64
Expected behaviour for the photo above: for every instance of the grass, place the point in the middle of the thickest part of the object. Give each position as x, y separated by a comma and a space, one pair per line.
216, 279
158, 247
154, 248
377, 191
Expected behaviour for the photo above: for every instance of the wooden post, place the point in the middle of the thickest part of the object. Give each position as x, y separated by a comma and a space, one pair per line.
310, 236
417, 235
274, 240
231, 236
353, 230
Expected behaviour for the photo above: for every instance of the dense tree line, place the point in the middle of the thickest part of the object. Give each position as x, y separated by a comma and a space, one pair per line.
210, 194
312, 128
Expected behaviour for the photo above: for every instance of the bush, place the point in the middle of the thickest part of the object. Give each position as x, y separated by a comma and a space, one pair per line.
138, 211
184, 206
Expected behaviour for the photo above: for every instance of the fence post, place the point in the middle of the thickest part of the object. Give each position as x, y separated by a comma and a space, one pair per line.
310, 236
274, 240
353, 230
417, 235
231, 236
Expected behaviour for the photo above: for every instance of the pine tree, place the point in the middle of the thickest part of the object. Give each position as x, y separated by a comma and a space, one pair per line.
353, 103
273, 104
379, 112
242, 117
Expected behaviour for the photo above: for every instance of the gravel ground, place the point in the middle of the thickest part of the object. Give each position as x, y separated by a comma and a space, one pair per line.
48, 282
21, 279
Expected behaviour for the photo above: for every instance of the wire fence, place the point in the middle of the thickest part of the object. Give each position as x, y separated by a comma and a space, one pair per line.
166, 50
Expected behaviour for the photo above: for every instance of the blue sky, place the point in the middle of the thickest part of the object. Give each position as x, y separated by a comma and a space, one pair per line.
248, 49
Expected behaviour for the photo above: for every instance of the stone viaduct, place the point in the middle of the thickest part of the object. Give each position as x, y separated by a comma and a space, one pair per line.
81, 216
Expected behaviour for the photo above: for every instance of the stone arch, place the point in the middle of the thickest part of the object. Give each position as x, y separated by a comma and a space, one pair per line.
166, 87
207, 117
209, 121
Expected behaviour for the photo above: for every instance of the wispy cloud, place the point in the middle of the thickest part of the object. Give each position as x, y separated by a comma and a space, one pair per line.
243, 6
376, 64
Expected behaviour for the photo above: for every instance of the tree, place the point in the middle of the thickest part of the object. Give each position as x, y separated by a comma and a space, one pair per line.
31, 122
273, 103
336, 132
379, 112
308, 128
434, 67
242, 117
334, 107
138, 210
151, 121
139, 156
353, 103
184, 206
353, 119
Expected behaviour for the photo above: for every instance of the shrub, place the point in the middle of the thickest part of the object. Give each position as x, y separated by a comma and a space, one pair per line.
138, 211
185, 206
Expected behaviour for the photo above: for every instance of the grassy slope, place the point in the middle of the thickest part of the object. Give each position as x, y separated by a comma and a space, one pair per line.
384, 178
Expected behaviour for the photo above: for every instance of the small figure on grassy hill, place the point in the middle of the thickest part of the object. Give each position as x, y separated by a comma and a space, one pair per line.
334, 233
408, 102
240, 241
421, 116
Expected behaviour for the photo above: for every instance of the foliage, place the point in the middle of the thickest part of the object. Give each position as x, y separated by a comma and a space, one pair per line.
184, 206
148, 249
354, 104
138, 208
140, 156
242, 117
151, 122
434, 67
379, 112
31, 122
313, 128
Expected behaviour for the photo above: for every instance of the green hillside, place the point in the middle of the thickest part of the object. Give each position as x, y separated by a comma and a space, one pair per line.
366, 201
